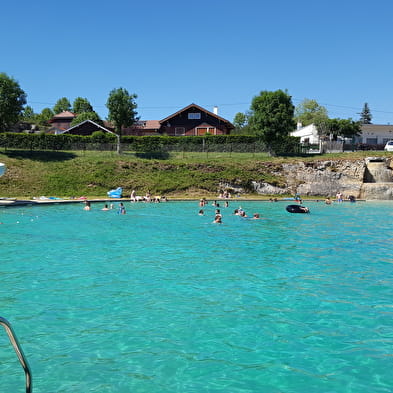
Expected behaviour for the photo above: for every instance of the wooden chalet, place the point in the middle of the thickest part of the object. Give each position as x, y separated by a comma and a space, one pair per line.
191, 120
62, 121
195, 120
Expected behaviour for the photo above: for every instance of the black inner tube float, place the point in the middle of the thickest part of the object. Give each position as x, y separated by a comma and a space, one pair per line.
297, 209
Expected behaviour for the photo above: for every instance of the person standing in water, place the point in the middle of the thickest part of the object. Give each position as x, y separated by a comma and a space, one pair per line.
122, 209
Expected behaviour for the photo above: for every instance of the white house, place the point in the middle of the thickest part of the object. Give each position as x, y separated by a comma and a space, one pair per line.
375, 134
371, 134
307, 134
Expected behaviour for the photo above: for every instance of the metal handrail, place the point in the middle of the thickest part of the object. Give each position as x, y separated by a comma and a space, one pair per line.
18, 350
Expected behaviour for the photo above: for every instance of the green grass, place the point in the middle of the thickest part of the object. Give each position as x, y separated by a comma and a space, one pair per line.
92, 174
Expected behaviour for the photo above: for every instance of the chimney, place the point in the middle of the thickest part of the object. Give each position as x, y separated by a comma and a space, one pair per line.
299, 125
215, 110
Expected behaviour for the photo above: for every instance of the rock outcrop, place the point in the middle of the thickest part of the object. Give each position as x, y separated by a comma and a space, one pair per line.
325, 178
360, 178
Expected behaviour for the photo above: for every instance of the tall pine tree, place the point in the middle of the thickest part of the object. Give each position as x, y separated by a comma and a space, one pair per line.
365, 115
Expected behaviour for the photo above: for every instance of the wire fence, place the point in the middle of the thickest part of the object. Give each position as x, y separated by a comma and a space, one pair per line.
179, 150
162, 150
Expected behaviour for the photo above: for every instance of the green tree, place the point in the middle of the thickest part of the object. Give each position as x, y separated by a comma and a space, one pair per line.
240, 121
332, 128
271, 116
62, 105
28, 114
12, 100
309, 112
81, 105
365, 115
122, 110
44, 117
86, 116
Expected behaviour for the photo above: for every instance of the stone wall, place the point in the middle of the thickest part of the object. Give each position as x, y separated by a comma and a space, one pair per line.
318, 178
322, 179
380, 191
325, 178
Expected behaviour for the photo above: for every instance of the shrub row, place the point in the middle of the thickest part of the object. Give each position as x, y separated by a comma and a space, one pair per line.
103, 141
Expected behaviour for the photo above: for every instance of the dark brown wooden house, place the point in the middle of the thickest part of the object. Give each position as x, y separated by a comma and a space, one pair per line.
62, 121
87, 127
191, 120
195, 120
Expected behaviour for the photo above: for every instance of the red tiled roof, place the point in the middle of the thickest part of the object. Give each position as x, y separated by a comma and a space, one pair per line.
145, 125
107, 124
65, 114
152, 124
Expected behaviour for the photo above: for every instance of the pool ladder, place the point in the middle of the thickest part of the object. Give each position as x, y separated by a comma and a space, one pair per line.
18, 350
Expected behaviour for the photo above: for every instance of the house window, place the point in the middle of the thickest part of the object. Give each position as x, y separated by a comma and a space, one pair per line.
179, 130
371, 141
194, 116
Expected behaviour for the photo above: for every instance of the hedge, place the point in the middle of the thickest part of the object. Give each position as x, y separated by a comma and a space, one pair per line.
104, 141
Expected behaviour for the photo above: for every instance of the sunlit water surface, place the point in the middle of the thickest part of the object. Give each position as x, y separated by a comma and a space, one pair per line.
161, 300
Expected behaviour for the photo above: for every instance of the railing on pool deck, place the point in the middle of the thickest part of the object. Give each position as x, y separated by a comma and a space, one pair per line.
18, 350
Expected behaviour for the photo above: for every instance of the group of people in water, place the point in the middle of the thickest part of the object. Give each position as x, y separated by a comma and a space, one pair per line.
133, 198
217, 214
340, 199
204, 202
121, 207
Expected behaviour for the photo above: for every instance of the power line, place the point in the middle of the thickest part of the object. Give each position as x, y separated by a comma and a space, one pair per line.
223, 104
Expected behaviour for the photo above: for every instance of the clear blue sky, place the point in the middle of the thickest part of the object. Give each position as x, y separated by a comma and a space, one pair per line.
173, 53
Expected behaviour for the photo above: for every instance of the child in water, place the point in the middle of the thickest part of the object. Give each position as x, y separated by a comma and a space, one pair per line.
217, 219
122, 209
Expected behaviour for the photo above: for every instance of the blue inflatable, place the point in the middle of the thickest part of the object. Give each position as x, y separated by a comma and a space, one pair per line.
115, 193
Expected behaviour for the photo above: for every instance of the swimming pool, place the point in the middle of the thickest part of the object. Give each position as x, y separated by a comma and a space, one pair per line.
161, 300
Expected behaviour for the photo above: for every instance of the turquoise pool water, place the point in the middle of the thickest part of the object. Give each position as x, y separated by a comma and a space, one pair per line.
161, 300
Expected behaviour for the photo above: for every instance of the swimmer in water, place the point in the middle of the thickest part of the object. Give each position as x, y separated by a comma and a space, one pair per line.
217, 219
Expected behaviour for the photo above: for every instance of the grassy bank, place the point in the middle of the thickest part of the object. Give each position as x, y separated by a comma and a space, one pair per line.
92, 174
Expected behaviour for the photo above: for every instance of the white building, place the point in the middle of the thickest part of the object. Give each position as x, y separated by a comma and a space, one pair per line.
307, 134
375, 134
371, 134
